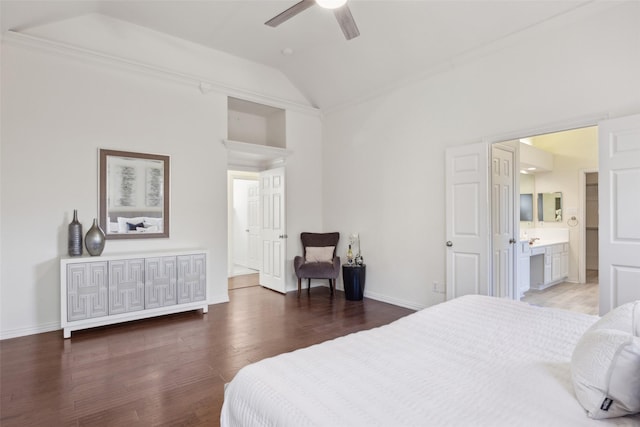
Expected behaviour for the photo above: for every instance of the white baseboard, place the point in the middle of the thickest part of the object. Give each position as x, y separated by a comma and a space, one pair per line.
21, 332
394, 301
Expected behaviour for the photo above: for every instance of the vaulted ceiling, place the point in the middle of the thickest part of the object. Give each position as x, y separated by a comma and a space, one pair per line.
400, 40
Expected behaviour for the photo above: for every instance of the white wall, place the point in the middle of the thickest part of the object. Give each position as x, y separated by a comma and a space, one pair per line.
304, 196
59, 107
384, 159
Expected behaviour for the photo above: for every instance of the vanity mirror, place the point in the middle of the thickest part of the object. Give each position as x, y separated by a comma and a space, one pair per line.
134, 195
550, 207
526, 207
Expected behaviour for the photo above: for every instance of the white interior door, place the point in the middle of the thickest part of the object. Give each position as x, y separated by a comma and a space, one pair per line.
272, 229
253, 227
467, 230
619, 211
502, 220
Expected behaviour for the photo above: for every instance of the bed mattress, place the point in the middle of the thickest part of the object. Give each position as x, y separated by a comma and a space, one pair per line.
475, 360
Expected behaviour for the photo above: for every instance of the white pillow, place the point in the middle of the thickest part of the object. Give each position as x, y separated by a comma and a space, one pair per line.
319, 254
123, 227
149, 222
605, 369
624, 318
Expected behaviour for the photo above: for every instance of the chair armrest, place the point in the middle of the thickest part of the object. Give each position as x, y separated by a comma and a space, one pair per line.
297, 262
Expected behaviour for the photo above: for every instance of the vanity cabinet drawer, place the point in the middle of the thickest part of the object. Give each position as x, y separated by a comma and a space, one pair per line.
537, 251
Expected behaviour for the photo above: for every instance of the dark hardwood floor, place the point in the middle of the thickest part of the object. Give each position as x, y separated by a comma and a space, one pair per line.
169, 370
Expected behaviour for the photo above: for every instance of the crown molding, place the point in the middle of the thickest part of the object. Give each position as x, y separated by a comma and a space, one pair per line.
202, 84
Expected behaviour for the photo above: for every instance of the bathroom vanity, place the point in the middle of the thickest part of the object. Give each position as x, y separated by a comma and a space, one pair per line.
543, 261
549, 264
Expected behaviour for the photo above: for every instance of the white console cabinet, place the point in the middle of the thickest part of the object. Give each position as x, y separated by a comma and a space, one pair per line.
98, 291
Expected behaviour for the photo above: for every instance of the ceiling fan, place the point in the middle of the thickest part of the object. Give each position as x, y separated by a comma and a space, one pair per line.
340, 10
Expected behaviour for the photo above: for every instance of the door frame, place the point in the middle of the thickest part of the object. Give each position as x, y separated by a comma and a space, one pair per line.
582, 218
561, 126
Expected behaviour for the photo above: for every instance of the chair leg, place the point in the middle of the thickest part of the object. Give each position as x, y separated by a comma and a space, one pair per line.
299, 286
331, 286
308, 285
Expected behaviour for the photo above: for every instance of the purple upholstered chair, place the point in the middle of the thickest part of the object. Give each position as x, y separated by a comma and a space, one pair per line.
318, 260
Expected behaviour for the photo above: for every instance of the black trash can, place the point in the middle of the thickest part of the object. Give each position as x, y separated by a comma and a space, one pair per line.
353, 277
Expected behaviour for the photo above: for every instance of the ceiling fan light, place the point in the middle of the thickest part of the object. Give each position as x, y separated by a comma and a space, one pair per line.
331, 4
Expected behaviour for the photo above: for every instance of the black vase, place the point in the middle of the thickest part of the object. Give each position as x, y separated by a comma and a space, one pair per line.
75, 236
95, 239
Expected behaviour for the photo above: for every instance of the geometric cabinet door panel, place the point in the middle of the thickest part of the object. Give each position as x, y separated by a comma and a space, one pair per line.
192, 282
160, 281
126, 285
86, 291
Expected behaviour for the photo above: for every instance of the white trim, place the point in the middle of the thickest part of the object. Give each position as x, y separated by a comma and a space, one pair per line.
248, 148
201, 84
21, 332
561, 126
395, 301
253, 157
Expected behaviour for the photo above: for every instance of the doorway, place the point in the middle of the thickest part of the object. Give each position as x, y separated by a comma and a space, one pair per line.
552, 177
256, 226
591, 226
617, 144
243, 224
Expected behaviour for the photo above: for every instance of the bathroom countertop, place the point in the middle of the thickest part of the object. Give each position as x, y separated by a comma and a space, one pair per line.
539, 246
539, 243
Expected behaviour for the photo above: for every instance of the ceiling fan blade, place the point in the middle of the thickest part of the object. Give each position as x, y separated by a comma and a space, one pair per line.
290, 13
346, 22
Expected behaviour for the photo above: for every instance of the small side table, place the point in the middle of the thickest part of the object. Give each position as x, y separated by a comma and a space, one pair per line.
353, 277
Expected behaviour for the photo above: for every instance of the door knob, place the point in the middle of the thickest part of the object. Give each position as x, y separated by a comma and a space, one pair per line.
449, 243
512, 240
282, 236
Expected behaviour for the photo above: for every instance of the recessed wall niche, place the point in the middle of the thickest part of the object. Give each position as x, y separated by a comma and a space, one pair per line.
255, 123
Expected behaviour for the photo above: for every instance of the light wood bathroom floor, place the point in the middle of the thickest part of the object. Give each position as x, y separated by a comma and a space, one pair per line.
578, 297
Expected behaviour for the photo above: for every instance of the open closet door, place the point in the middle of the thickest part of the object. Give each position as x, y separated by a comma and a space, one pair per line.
467, 229
619, 211
272, 229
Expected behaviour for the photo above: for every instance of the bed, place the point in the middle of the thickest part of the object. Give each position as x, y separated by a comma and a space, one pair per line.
474, 360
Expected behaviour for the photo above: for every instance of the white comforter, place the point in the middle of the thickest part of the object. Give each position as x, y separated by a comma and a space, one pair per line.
472, 361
